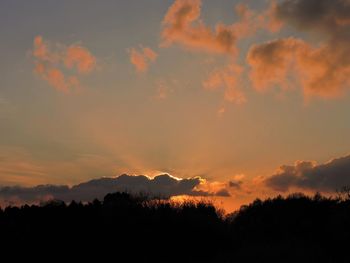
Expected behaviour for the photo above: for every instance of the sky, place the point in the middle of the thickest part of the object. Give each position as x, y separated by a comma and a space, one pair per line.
245, 98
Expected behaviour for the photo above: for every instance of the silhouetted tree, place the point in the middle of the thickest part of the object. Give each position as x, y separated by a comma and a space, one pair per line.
127, 228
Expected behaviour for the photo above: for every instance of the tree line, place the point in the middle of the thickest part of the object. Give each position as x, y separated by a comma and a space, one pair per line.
128, 228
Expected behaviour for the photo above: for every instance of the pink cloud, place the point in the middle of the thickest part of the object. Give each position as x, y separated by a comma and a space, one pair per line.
182, 25
141, 59
40, 48
271, 62
269, 20
54, 64
320, 70
42, 52
228, 78
81, 58
56, 79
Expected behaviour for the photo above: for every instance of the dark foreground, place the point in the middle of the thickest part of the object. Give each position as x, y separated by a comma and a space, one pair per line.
123, 228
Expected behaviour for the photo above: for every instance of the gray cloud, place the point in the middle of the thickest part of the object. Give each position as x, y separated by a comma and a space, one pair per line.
328, 16
161, 185
223, 193
308, 175
320, 69
235, 184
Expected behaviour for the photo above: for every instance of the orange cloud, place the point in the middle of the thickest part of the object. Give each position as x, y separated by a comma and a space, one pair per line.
141, 59
271, 62
325, 71
81, 58
40, 48
182, 25
52, 66
320, 71
42, 52
269, 20
56, 79
228, 78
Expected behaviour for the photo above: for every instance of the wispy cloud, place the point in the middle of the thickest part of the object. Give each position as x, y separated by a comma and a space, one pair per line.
182, 25
54, 62
142, 58
229, 78
163, 90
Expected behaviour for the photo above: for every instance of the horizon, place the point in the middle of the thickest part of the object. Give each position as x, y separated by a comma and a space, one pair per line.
233, 100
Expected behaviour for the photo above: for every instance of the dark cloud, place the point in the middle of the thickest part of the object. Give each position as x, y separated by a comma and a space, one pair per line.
235, 184
162, 185
320, 70
308, 175
329, 16
223, 192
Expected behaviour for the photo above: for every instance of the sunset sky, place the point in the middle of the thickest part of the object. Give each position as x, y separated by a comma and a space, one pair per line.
249, 98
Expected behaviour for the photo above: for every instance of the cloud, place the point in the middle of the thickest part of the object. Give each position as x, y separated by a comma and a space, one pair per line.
320, 70
223, 193
272, 62
56, 79
162, 90
141, 59
182, 25
53, 63
268, 19
331, 17
228, 78
41, 51
79, 57
163, 185
309, 175
235, 184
